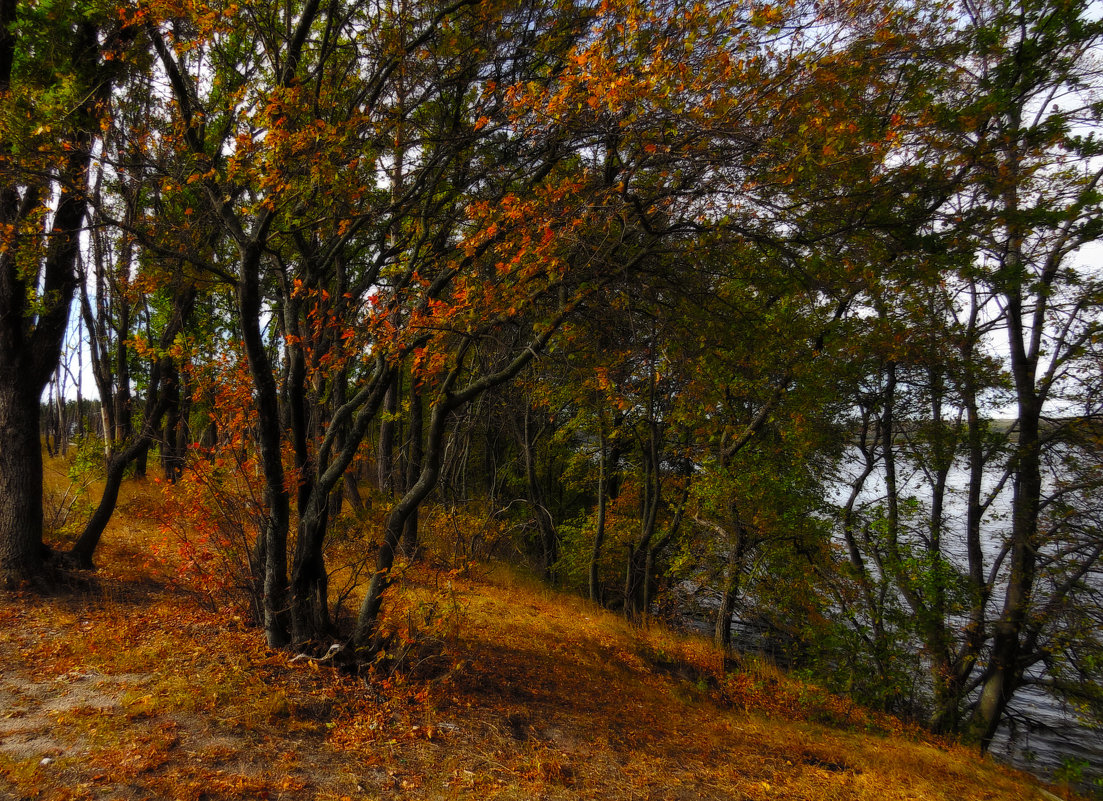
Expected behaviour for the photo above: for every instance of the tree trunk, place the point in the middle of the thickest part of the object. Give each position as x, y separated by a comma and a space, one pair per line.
949, 686
1004, 674
413, 468
544, 523
386, 439
83, 550
352, 492
268, 424
21, 547
364, 636
599, 533
309, 580
62, 425
636, 578
1024, 325
171, 466
31, 338
733, 571
141, 464
158, 399
310, 618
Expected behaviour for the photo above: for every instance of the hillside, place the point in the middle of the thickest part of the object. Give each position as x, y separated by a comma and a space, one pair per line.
132, 687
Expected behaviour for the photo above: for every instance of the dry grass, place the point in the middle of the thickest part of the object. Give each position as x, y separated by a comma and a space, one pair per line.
497, 688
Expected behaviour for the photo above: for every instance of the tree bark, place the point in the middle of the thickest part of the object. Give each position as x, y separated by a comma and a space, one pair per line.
268, 424
599, 533
544, 523
21, 546
414, 457
636, 578
386, 439
733, 572
83, 550
172, 463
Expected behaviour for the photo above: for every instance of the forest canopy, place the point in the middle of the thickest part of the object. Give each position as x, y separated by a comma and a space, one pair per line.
779, 314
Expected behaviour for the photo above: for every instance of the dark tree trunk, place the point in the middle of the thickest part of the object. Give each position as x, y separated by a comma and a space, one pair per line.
141, 464
352, 492
386, 439
62, 417
1026, 318
309, 581
310, 619
549, 545
363, 638
171, 466
21, 547
49, 425
413, 469
636, 577
733, 572
950, 690
599, 533
445, 402
162, 395
268, 425
1004, 674
82, 553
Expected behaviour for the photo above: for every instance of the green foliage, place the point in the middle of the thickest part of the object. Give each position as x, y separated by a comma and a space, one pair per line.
572, 568
87, 461
881, 672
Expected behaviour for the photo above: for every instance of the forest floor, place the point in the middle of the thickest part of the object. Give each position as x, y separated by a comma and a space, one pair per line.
131, 686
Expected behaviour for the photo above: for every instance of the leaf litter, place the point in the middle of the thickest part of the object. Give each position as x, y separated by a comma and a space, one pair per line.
499, 688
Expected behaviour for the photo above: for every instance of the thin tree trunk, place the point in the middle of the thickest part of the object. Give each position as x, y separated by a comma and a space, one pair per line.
1004, 674
363, 637
635, 582
413, 468
352, 492
386, 439
599, 533
169, 464
309, 580
544, 523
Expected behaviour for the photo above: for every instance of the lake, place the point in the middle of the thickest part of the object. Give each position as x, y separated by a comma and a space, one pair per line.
1041, 734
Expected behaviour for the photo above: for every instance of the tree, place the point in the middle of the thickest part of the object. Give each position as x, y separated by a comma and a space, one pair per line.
995, 310
1039, 192
57, 70
356, 269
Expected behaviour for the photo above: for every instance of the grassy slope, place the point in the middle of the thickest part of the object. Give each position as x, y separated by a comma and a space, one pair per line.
132, 689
